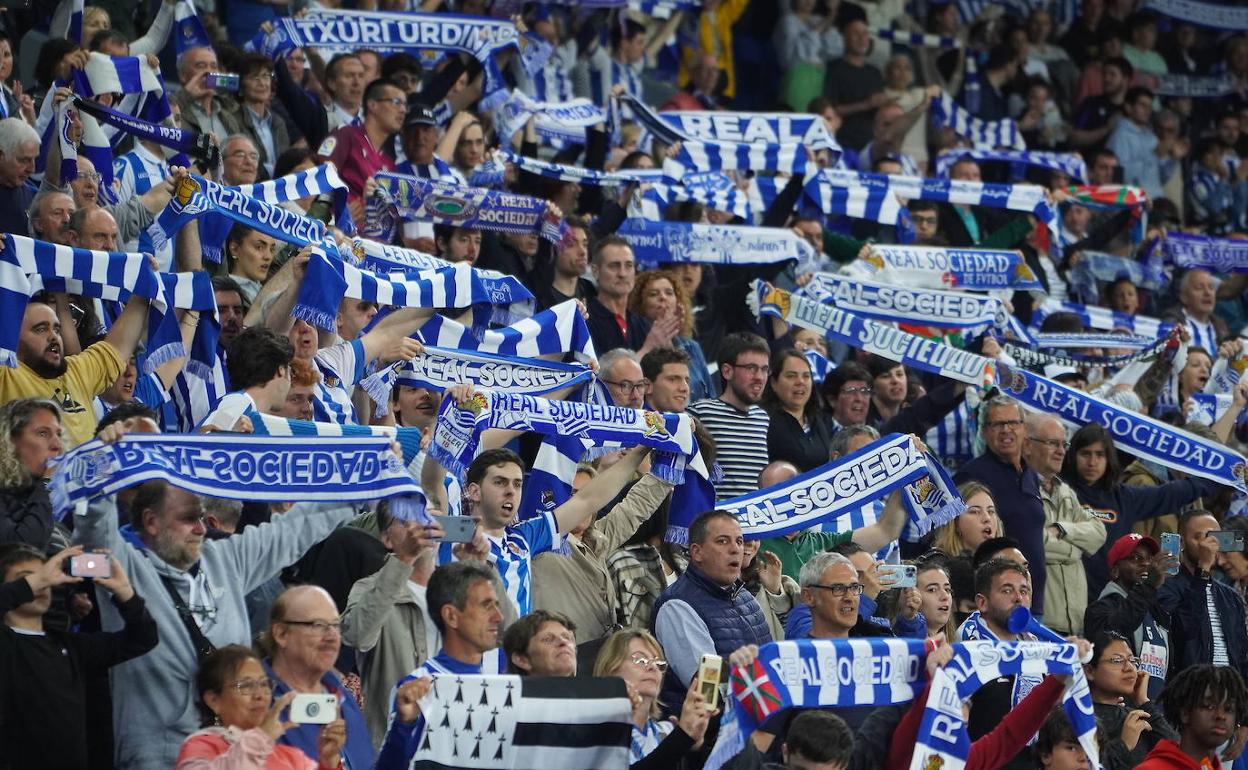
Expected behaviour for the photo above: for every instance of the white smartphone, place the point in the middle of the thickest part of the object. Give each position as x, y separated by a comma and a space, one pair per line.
310, 709
898, 575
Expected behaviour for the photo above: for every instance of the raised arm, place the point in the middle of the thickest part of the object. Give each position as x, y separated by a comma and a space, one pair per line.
892, 519
124, 336
595, 495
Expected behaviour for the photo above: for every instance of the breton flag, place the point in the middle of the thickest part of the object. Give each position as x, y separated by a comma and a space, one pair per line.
525, 722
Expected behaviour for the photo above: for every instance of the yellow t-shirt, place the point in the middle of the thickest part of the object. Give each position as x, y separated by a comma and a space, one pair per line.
88, 374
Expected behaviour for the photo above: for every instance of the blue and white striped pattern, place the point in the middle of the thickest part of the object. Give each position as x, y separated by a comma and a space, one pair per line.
734, 156
953, 437
1069, 163
899, 302
195, 396
659, 196
341, 367
946, 112
1195, 86
1212, 15
1102, 318
270, 425
615, 73
116, 75
138, 171
1204, 334
1086, 340
188, 31
559, 329
192, 291
819, 365
918, 39
1203, 252
749, 127
582, 176
67, 22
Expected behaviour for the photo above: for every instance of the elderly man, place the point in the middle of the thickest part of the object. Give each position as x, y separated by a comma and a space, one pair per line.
240, 161
1198, 294
49, 214
195, 590
620, 369
706, 609
92, 228
1014, 484
344, 80
202, 107
304, 638
1071, 532
19, 147
699, 94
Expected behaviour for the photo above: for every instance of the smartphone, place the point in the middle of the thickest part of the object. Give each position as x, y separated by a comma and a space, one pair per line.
710, 669
314, 709
1228, 539
1170, 544
91, 565
222, 81
898, 575
458, 529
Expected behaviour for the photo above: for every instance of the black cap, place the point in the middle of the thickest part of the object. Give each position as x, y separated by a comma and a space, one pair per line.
419, 115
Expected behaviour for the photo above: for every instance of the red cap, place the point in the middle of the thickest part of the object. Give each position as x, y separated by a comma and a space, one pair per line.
1124, 545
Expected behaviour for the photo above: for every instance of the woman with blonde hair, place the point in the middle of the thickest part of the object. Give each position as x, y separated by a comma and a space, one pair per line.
32, 429
637, 658
658, 294
979, 522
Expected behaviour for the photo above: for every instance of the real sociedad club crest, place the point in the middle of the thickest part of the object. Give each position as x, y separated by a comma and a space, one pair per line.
92, 468
1240, 472
779, 299
655, 424
1011, 380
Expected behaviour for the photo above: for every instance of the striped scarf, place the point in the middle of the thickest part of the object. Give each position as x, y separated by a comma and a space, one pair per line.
734, 156
947, 113
666, 242
472, 207
1069, 163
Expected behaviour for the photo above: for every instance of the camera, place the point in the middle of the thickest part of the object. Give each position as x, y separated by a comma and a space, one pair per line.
314, 709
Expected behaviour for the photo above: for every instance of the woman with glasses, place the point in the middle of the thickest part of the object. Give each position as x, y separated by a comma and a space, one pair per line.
244, 723
254, 112
1130, 724
637, 658
1093, 470
799, 431
659, 295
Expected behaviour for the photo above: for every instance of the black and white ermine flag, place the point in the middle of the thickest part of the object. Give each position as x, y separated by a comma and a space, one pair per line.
525, 723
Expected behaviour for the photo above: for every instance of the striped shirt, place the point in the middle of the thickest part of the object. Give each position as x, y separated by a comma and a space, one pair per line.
741, 441
1204, 335
553, 82
194, 398
512, 555
953, 438
136, 172
341, 367
605, 72
1220, 657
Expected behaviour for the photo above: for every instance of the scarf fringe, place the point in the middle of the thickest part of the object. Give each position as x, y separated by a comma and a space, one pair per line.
322, 319
163, 355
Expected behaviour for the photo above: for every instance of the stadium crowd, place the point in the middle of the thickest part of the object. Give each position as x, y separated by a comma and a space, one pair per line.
1126, 120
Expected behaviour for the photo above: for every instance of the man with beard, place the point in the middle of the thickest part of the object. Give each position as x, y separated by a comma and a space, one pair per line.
735, 420
71, 381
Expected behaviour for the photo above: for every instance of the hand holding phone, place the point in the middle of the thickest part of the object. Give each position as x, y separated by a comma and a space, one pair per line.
313, 709
1228, 540
458, 529
897, 575
710, 669
1170, 545
91, 565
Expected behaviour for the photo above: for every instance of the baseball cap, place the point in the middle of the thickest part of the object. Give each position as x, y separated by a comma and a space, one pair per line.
419, 114
1124, 545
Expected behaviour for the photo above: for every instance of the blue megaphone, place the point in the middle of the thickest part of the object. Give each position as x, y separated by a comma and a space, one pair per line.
1021, 620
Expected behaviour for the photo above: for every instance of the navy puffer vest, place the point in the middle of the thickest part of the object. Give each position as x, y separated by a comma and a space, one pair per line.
732, 615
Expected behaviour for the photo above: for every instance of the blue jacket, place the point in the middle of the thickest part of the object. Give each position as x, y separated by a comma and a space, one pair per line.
358, 753
1191, 636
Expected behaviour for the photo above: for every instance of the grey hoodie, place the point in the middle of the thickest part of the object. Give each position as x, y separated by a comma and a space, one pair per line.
153, 696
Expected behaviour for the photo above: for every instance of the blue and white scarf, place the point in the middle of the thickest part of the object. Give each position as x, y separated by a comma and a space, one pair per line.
947, 113
753, 127
1217, 255
664, 242
116, 75
558, 329
191, 291
1140, 436
881, 195
188, 30
408, 439
1069, 163
1195, 86
817, 673
897, 302
563, 122
1211, 15
196, 196
447, 204
67, 21
234, 466
918, 39
182, 141
329, 280
872, 336
713, 190
943, 741
820, 366
28, 266
840, 490
939, 267
582, 176
1102, 318
697, 156
1092, 340
458, 429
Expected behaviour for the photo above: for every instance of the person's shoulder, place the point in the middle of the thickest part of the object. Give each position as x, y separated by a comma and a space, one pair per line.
341, 138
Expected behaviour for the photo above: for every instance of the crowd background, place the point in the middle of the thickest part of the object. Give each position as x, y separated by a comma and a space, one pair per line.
217, 611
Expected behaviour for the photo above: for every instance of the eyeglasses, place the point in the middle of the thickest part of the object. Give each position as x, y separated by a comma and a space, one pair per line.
1051, 443
244, 155
922, 219
753, 369
251, 686
90, 176
641, 661
999, 424
261, 76
628, 386
397, 101
840, 589
319, 626
1122, 660
865, 390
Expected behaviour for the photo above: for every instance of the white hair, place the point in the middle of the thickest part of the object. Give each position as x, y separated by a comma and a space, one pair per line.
14, 132
813, 569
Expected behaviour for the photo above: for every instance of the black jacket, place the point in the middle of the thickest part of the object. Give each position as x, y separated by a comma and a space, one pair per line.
26, 516
1191, 636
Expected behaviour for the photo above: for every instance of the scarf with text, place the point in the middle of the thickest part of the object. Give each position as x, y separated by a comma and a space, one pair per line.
940, 267
1102, 318
1027, 355
458, 429
817, 673
408, 439
943, 740
695, 156
1097, 267
1195, 86
582, 176
713, 190
562, 122
752, 127
664, 242
196, 197
918, 39
235, 467
1069, 163
898, 302
839, 490
1211, 15
946, 113
1203, 252
181, 141
426, 200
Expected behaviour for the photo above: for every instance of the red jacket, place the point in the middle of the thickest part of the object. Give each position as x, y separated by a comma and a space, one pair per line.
994, 749
1167, 755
